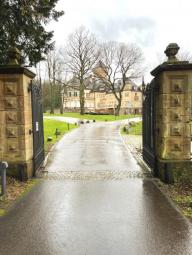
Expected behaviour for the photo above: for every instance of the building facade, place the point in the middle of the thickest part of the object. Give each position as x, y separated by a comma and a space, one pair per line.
101, 101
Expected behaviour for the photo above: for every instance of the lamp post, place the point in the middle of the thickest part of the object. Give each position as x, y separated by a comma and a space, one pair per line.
62, 100
143, 91
143, 88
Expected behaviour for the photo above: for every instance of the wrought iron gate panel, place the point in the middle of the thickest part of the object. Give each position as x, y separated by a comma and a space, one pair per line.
149, 152
38, 131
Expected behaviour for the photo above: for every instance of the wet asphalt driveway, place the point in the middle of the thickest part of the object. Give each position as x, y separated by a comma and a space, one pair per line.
92, 147
94, 201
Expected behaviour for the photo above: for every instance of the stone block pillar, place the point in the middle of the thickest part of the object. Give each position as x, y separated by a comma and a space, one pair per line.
16, 141
173, 81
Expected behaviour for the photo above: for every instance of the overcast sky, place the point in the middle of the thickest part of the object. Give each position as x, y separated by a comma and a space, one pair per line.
150, 24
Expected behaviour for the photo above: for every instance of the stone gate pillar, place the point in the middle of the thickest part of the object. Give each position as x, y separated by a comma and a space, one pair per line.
173, 82
16, 142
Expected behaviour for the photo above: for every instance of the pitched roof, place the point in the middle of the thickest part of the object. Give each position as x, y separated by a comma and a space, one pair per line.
100, 64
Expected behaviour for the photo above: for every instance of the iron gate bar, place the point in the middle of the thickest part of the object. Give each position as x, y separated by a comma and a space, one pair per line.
38, 131
149, 109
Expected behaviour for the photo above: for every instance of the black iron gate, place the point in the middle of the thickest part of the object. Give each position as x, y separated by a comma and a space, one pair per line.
149, 152
38, 132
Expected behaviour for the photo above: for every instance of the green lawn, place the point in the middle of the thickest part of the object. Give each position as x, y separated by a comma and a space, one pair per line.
180, 193
93, 117
49, 131
135, 130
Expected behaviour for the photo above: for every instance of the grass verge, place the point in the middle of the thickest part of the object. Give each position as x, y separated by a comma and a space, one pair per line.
136, 129
96, 117
14, 190
49, 131
181, 195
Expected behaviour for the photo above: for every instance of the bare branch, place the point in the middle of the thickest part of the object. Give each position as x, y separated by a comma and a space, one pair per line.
123, 62
80, 56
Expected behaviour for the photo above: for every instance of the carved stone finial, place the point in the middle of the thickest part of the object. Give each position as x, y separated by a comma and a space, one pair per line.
14, 56
171, 52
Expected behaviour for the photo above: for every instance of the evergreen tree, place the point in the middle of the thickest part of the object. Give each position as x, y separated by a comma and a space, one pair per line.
23, 25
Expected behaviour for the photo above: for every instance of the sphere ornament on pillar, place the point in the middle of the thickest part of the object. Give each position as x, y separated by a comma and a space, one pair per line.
171, 52
14, 56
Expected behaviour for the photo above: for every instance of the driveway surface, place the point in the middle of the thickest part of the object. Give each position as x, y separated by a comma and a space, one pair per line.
94, 200
92, 147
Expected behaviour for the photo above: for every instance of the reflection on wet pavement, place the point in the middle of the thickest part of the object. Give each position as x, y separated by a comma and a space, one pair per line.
109, 208
95, 217
92, 147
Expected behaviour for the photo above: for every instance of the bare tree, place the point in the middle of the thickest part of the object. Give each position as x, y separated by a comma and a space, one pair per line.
54, 69
184, 55
122, 62
64, 84
81, 55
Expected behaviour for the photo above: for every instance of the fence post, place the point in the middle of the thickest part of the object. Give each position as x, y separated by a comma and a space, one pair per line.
3, 167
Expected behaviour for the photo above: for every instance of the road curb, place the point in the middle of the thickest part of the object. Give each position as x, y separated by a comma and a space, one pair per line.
171, 202
137, 157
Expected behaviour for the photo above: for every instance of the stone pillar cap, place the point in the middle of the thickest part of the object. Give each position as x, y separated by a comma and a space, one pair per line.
14, 56
172, 64
171, 52
13, 66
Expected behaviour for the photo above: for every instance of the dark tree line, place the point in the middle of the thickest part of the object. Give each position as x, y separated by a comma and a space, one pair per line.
23, 25
55, 101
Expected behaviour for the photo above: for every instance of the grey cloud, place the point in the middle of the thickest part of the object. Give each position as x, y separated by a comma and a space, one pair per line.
141, 28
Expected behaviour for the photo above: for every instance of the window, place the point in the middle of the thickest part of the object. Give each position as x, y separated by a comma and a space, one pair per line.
136, 97
69, 94
75, 94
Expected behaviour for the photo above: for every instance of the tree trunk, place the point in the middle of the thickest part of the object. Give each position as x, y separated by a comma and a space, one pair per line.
52, 99
61, 103
118, 108
82, 98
